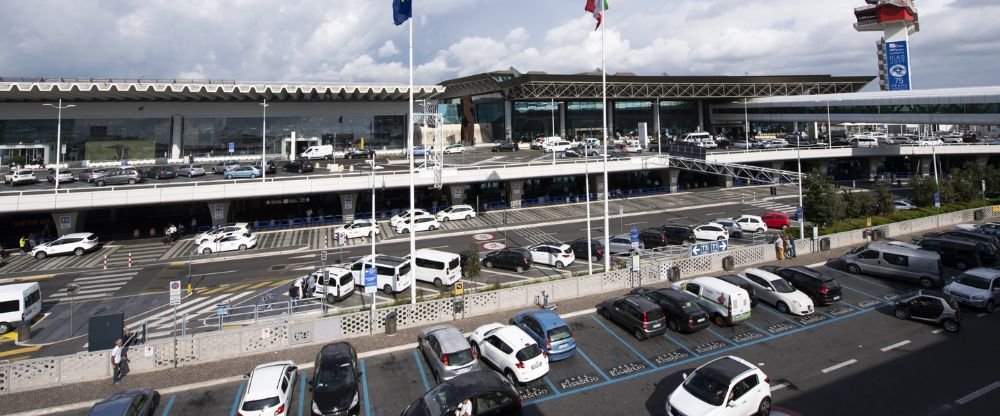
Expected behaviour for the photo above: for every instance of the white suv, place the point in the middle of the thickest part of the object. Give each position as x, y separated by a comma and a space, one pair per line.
456, 212
405, 216
711, 231
978, 287
269, 390
553, 254
426, 222
751, 223
511, 351
358, 228
724, 386
76, 243
221, 231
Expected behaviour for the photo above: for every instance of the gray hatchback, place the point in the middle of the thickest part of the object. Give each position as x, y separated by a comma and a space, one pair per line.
447, 352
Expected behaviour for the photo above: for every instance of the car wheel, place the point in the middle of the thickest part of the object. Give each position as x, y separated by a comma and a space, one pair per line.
721, 238
902, 313
190, 175
387, 289
444, 219
672, 324
950, 325
40, 255
594, 259
433, 227
488, 264
206, 251
131, 181
78, 251
438, 283
926, 283
765, 407
560, 265
854, 268
468, 217
253, 176
4, 328
719, 321
639, 335
243, 247
782, 307
760, 230
331, 298
519, 269
510, 377
101, 183
229, 176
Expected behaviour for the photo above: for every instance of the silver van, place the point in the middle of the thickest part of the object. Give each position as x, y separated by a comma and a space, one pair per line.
893, 261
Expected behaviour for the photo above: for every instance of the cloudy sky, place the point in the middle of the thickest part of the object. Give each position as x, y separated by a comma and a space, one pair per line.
356, 41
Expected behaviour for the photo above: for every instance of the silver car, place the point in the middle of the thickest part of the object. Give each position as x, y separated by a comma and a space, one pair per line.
735, 231
191, 170
91, 174
447, 352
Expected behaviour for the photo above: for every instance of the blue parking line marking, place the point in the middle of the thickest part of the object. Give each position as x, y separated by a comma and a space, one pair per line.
170, 403
848, 304
861, 292
622, 341
236, 400
747, 323
302, 391
718, 335
420, 365
364, 389
586, 357
671, 339
551, 384
608, 382
780, 315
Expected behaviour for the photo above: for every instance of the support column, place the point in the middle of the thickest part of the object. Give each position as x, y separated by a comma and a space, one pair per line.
873, 165
219, 211
507, 111
68, 222
670, 179
795, 126
514, 191
778, 164
597, 186
926, 166
176, 136
611, 120
348, 205
656, 120
701, 115
562, 118
457, 194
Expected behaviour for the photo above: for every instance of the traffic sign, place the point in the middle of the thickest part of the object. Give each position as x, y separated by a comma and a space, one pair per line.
232, 147
633, 234
868, 222
459, 288
937, 200
175, 292
635, 261
702, 249
371, 280
222, 309
798, 214
322, 256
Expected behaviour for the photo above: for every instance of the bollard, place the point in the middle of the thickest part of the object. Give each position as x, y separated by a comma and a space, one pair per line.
105, 262
326, 241
129, 259
754, 195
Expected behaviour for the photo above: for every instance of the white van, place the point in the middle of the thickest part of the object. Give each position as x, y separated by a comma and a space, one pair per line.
725, 302
393, 272
341, 284
698, 138
556, 146
438, 267
19, 303
324, 151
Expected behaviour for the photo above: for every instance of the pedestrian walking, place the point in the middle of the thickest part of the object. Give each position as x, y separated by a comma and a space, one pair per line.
309, 214
194, 225
779, 248
119, 362
789, 247
24, 245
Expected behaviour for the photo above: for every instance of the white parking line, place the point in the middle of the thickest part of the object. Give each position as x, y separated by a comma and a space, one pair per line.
980, 315
779, 386
839, 366
937, 331
974, 395
896, 345
822, 263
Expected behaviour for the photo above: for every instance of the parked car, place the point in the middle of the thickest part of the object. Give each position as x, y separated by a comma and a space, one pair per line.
65, 176
724, 386
420, 150
971, 236
776, 220
510, 351
426, 222
484, 391
75, 243
516, 259
895, 262
269, 389
667, 234
960, 254
680, 312
457, 212
554, 254
901, 205
133, 402
129, 176
405, 216
336, 381
225, 243
979, 288
90, 174
742, 284
222, 230
358, 228
778, 292
735, 231
579, 247
505, 147
823, 289
299, 165
549, 331
710, 231
454, 148
161, 172
636, 314
751, 223
270, 168
190, 170
556, 146
222, 167
360, 154
243, 172
929, 306
621, 244
447, 352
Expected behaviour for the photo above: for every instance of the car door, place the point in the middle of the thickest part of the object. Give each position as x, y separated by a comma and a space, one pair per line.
745, 396
228, 243
926, 308
432, 351
492, 350
798, 280
623, 313
492, 403
763, 289
868, 260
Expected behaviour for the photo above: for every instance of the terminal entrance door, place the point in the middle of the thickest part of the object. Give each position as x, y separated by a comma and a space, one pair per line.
300, 145
25, 154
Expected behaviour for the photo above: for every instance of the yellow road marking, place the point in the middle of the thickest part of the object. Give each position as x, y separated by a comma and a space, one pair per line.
261, 284
19, 351
35, 277
235, 288
211, 291
276, 284
10, 335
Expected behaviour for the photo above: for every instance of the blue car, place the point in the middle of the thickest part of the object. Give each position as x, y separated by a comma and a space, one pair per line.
243, 172
549, 331
419, 150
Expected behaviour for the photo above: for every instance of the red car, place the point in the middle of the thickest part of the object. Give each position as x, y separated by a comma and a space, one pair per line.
777, 220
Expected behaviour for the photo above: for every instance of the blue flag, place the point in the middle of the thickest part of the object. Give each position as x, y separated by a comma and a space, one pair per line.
401, 11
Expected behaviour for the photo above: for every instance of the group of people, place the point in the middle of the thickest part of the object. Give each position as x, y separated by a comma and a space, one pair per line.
302, 288
783, 247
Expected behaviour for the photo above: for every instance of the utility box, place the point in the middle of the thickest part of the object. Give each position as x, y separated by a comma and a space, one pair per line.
824, 244
728, 263
103, 330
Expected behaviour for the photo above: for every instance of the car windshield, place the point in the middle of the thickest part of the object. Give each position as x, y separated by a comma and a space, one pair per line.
437, 401
335, 376
708, 387
460, 358
973, 281
782, 286
529, 352
262, 404
689, 306
559, 334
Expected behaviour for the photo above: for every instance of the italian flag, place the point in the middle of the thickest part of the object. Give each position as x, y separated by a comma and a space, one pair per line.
597, 7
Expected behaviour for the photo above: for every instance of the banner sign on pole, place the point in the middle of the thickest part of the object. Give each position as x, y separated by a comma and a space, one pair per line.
371, 280
897, 62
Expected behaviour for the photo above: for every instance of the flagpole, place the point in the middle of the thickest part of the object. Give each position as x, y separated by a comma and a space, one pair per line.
604, 120
590, 250
409, 148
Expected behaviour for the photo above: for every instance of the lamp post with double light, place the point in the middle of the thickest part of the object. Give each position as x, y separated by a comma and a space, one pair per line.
59, 109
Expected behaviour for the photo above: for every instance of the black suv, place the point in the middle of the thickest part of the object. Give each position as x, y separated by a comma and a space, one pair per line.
960, 254
516, 259
743, 284
505, 147
992, 241
579, 248
821, 288
300, 166
667, 234
360, 154
335, 380
161, 172
636, 314
682, 315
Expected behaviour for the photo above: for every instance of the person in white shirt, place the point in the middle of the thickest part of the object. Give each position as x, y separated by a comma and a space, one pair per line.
464, 408
117, 362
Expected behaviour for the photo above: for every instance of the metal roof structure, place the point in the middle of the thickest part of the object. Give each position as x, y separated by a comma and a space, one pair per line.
534, 85
971, 95
122, 90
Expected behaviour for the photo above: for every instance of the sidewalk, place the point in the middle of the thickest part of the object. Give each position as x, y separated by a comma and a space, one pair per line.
93, 391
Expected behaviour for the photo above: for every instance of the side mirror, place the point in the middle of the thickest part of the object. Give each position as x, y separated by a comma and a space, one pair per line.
684, 376
732, 403
247, 375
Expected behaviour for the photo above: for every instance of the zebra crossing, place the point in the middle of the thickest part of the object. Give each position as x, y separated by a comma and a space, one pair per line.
117, 255
96, 285
774, 206
193, 309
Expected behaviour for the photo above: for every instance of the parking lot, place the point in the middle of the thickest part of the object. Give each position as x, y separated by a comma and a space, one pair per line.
610, 359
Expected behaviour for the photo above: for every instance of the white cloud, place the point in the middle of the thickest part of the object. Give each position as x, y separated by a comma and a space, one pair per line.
388, 49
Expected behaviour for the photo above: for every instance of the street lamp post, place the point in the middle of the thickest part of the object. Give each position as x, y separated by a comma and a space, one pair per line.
59, 109
263, 143
802, 210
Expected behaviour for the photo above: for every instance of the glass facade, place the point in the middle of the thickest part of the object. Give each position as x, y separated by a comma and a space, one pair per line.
531, 119
88, 138
491, 112
628, 115
583, 118
983, 108
678, 117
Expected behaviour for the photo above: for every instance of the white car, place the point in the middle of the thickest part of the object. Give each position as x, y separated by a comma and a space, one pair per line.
455, 148
930, 141
358, 228
558, 255
510, 351
776, 144
76, 243
709, 143
426, 222
751, 223
633, 146
269, 390
228, 243
405, 216
773, 289
900, 205
220, 231
556, 146
722, 387
711, 231
457, 212
20, 176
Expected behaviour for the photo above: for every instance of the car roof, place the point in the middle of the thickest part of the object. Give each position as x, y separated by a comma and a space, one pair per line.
641, 301
264, 380
513, 336
764, 274
449, 337
547, 318
553, 244
715, 224
728, 367
474, 382
987, 272
76, 235
747, 216
810, 272
337, 350
732, 279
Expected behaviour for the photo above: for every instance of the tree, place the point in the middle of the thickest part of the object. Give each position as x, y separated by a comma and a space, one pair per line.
883, 199
822, 204
472, 268
857, 204
923, 191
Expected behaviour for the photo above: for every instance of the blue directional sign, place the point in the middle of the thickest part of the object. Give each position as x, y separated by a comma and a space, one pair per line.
702, 249
371, 280
633, 234
798, 213
232, 147
937, 199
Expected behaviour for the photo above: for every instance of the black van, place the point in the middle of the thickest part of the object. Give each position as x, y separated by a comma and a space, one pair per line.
954, 252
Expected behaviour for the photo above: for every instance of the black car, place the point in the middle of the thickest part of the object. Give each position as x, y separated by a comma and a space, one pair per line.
667, 234
972, 236
682, 315
335, 380
960, 254
821, 288
505, 147
484, 391
360, 154
723, 142
300, 166
579, 248
138, 402
636, 314
516, 259
743, 284
161, 172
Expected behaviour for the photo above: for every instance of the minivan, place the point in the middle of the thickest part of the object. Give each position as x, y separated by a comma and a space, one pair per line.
961, 254
726, 303
19, 303
341, 284
393, 273
636, 314
920, 266
438, 267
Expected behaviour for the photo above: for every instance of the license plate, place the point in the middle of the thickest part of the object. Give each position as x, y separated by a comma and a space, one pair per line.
536, 365
836, 298
701, 319
656, 326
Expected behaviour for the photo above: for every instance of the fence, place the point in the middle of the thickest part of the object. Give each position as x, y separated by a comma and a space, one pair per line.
279, 333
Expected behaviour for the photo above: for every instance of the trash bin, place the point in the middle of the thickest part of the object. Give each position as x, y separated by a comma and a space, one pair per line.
390, 323
728, 263
675, 274
824, 244
979, 215
24, 333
